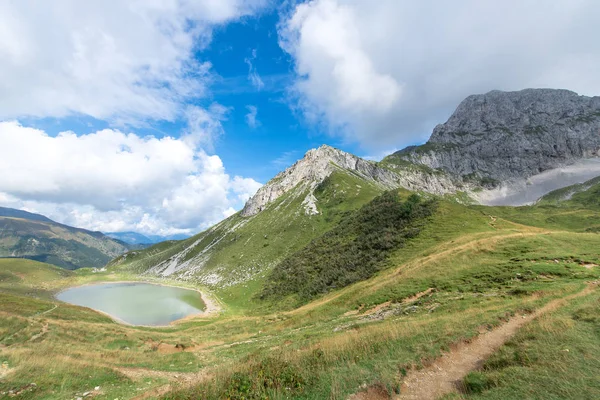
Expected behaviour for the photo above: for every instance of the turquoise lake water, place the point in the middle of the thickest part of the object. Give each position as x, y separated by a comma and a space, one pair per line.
137, 303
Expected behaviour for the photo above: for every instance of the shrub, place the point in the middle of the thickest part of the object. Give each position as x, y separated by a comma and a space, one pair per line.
352, 251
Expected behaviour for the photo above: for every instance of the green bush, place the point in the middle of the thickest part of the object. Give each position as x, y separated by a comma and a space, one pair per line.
352, 251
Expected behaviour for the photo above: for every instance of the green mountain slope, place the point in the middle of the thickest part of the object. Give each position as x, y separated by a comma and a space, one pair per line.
582, 195
31, 236
469, 269
14, 213
235, 255
352, 251
298, 205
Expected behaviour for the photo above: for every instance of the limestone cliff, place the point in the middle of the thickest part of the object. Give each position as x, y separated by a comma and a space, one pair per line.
507, 136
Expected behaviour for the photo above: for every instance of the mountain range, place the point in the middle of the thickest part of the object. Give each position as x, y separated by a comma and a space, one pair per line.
492, 145
496, 148
344, 278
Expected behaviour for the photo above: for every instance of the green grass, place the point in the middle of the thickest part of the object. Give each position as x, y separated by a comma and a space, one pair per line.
582, 195
351, 252
475, 286
479, 265
239, 252
554, 357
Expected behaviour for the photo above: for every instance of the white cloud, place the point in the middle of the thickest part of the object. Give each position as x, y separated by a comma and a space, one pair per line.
251, 117
204, 125
384, 73
130, 63
121, 60
253, 75
114, 181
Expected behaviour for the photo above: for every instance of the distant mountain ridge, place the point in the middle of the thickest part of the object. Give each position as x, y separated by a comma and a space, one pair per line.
36, 237
136, 238
14, 213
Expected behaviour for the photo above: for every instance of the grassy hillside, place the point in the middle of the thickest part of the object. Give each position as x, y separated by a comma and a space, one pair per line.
555, 357
352, 251
469, 270
46, 241
583, 195
234, 256
27, 277
472, 271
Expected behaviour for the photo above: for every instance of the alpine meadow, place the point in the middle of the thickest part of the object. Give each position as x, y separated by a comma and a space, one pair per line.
145, 260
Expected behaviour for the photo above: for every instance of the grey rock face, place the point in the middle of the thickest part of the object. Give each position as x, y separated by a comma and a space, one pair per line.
319, 163
506, 136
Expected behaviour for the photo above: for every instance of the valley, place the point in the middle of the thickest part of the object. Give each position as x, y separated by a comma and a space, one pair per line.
474, 266
343, 278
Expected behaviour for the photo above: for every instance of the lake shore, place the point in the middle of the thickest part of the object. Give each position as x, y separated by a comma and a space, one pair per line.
211, 306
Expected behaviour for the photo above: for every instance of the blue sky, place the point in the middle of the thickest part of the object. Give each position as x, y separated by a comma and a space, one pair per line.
179, 110
250, 46
280, 136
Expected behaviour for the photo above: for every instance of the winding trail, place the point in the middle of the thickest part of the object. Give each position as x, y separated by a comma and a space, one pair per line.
446, 373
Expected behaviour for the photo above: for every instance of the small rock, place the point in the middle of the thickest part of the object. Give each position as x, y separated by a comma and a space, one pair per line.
411, 309
97, 388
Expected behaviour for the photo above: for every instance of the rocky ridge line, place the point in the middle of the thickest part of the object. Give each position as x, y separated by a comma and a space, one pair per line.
319, 163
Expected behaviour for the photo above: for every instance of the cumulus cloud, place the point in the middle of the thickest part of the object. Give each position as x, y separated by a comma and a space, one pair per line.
253, 75
384, 73
114, 181
121, 60
251, 117
130, 63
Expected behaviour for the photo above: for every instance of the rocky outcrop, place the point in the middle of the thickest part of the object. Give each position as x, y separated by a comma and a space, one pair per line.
506, 136
319, 163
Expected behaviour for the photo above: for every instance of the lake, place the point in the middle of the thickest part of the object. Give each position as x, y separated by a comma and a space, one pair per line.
137, 303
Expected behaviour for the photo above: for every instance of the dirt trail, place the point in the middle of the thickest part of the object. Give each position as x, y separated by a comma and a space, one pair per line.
447, 372
42, 332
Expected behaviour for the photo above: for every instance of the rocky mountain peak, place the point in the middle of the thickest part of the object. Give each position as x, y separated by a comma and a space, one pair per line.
513, 111
506, 136
316, 165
